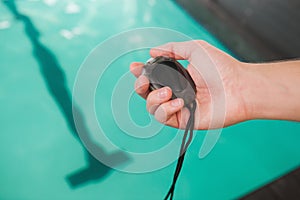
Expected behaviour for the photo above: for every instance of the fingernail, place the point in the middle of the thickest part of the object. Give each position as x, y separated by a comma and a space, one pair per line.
163, 93
177, 102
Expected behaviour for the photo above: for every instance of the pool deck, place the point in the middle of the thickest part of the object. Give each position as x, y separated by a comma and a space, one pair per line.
286, 187
254, 30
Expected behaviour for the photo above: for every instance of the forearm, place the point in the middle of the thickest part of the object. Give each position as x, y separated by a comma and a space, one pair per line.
272, 90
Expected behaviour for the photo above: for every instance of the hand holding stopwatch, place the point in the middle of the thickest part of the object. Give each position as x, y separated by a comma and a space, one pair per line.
164, 71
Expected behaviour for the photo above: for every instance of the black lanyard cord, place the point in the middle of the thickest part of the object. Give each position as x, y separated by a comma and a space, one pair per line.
184, 145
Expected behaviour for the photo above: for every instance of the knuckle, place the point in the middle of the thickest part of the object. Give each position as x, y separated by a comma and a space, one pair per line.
202, 43
151, 109
139, 90
150, 103
150, 98
161, 114
140, 86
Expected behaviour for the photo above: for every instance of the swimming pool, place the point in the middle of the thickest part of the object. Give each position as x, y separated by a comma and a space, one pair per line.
42, 157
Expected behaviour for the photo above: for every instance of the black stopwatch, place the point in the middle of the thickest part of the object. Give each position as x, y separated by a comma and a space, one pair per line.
164, 71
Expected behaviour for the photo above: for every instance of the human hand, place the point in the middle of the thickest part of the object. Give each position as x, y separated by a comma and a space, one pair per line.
218, 83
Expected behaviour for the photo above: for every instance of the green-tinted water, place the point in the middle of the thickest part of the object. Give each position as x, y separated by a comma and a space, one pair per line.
41, 52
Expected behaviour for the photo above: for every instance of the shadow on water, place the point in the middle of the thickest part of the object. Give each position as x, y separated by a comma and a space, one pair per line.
54, 78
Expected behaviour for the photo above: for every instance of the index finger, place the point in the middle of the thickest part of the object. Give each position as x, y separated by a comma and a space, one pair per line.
177, 50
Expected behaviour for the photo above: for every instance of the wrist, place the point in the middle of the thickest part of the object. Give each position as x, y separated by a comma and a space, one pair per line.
270, 91
257, 92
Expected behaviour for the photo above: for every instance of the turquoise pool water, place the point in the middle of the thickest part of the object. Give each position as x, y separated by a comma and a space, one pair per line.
43, 44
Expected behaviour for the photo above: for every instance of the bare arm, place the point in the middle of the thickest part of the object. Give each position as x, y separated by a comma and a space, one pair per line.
273, 90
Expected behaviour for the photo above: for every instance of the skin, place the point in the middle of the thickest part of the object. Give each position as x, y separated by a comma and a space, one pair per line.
250, 91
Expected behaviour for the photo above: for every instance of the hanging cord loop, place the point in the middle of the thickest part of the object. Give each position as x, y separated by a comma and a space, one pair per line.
187, 138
